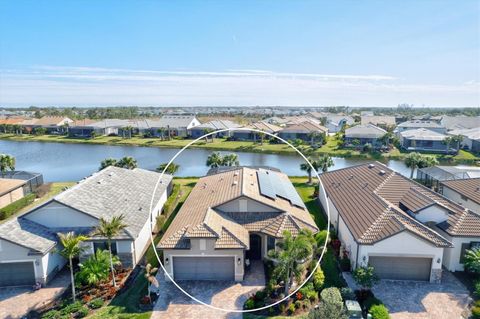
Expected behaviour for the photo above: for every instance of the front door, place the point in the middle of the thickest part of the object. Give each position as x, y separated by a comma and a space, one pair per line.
255, 251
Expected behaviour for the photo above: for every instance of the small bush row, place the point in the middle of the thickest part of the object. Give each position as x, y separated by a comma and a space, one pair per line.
14, 207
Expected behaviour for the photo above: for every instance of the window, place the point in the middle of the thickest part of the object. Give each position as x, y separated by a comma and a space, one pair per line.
270, 243
104, 246
203, 244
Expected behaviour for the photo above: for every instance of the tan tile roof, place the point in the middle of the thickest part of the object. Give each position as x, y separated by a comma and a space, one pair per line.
52, 120
199, 217
264, 126
469, 188
12, 120
7, 185
306, 127
369, 196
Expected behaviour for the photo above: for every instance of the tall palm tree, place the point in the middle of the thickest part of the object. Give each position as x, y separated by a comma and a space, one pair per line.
214, 160
262, 137
314, 136
292, 254
161, 131
205, 132
17, 129
307, 168
127, 162
385, 139
6, 162
454, 139
71, 249
325, 162
109, 229
412, 160
107, 162
172, 168
230, 160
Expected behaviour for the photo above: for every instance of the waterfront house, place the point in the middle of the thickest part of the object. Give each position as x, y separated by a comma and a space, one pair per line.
383, 121
53, 124
364, 134
432, 176
169, 125
254, 136
336, 123
11, 190
29, 242
401, 228
231, 216
86, 128
306, 131
214, 125
460, 122
420, 124
465, 192
425, 140
471, 138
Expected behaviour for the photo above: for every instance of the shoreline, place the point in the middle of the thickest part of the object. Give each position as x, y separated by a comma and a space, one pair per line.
463, 157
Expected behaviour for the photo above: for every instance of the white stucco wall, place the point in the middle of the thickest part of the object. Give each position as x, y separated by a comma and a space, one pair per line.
451, 256
456, 197
51, 264
251, 206
433, 213
209, 251
348, 242
193, 123
55, 214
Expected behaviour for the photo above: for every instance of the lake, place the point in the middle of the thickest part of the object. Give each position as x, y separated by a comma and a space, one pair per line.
60, 162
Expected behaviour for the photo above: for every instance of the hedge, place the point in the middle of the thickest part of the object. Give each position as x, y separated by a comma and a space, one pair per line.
14, 207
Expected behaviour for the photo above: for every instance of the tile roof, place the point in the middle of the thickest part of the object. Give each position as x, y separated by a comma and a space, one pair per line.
53, 120
378, 120
217, 125
472, 133
469, 188
421, 123
12, 120
200, 217
7, 185
335, 119
305, 127
172, 121
423, 134
460, 122
114, 191
365, 131
28, 234
264, 126
369, 196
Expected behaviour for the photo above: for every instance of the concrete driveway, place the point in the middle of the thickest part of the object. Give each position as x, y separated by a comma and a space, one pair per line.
422, 300
174, 304
16, 302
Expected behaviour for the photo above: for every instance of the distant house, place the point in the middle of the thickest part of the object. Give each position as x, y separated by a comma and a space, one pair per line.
29, 243
197, 131
85, 128
53, 124
32, 180
253, 136
471, 138
465, 192
385, 122
433, 176
364, 134
335, 123
11, 190
419, 124
11, 120
424, 140
231, 216
307, 131
401, 228
172, 125
460, 122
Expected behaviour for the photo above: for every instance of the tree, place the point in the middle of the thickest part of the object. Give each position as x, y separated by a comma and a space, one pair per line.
365, 277
71, 248
127, 129
325, 162
262, 137
161, 131
6, 162
215, 160
93, 134
230, 160
127, 162
416, 160
96, 268
172, 168
453, 139
386, 138
107, 162
330, 307
17, 129
109, 229
292, 254
307, 168
314, 137
205, 132
150, 276
472, 260
40, 131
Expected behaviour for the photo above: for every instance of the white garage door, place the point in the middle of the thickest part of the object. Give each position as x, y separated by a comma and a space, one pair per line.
17, 274
401, 268
203, 268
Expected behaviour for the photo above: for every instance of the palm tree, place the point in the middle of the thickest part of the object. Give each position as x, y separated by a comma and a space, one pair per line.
293, 253
107, 162
262, 137
109, 229
412, 160
472, 260
214, 160
325, 161
172, 168
127, 162
314, 136
150, 276
385, 139
205, 132
230, 160
71, 249
17, 129
307, 168
161, 131
454, 139
6, 162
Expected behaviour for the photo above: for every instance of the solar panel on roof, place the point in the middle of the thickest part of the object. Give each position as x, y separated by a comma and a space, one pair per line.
265, 183
271, 185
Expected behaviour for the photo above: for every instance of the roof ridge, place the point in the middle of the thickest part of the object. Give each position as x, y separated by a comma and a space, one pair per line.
234, 236
392, 173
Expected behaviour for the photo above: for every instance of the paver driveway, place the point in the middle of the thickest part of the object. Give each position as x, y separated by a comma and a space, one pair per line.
16, 302
422, 300
174, 304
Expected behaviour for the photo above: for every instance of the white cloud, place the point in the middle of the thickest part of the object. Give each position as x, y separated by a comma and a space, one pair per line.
53, 85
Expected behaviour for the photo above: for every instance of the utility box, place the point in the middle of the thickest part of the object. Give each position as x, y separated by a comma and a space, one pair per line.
354, 310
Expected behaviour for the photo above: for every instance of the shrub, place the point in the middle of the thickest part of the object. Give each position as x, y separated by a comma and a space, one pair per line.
320, 238
331, 305
52, 314
291, 308
72, 308
331, 295
367, 147
371, 301
345, 264
96, 268
318, 279
260, 295
477, 288
96, 303
347, 293
83, 312
299, 304
14, 207
379, 312
475, 312
365, 277
249, 304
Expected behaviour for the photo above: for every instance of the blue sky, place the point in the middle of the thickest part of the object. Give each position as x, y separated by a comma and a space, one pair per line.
366, 53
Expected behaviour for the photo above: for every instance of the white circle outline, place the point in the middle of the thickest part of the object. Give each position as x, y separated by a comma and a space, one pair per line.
323, 193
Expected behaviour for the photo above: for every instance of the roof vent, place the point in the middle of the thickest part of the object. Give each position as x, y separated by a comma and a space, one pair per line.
235, 174
371, 165
382, 172
351, 176
235, 183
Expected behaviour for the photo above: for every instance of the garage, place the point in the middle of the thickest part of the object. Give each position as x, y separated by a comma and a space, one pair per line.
203, 268
17, 274
402, 268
